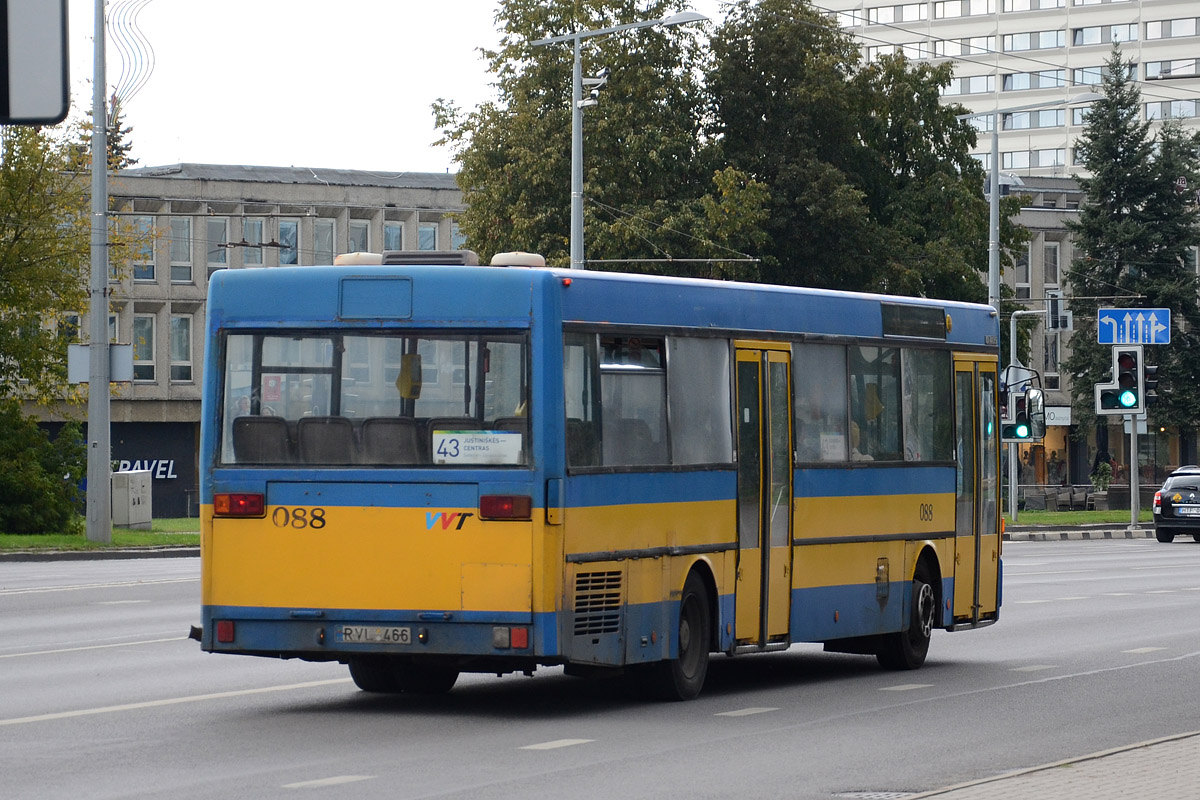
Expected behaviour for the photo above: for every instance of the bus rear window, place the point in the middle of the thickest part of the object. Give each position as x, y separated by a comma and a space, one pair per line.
336, 398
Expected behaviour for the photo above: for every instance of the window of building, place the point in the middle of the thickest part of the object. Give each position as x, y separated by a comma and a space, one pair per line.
143, 347
393, 236
1021, 275
143, 248
1036, 40
1032, 5
181, 249
324, 242
909, 12
181, 348
1171, 109
360, 236
1105, 34
1050, 264
1049, 78
970, 46
289, 242
911, 50
975, 84
218, 240
1180, 67
1052, 353
458, 239
1096, 2
947, 9
1171, 28
252, 240
427, 236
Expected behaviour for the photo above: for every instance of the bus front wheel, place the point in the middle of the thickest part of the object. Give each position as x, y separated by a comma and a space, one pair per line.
682, 677
907, 649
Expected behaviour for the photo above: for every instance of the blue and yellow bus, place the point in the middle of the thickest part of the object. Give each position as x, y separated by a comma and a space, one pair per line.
421, 468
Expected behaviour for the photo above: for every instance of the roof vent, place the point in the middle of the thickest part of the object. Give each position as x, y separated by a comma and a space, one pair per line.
518, 259
465, 258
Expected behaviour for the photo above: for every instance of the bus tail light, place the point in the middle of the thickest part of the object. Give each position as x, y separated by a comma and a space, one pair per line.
505, 638
225, 631
239, 504
505, 506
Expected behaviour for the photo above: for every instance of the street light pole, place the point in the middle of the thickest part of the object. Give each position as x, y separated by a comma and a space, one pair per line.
576, 233
99, 500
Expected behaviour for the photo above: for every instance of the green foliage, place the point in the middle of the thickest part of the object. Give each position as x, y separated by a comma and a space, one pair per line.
1132, 238
39, 482
44, 252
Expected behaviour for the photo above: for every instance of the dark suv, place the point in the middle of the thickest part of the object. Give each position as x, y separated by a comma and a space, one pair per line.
1177, 505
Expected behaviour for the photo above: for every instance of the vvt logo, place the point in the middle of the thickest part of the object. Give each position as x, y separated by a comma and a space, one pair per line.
447, 519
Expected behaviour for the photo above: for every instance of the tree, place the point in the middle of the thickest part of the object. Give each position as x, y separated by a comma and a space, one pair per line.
119, 144
872, 185
44, 252
1132, 241
653, 189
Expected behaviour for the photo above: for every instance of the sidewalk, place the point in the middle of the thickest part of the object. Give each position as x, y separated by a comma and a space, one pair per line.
1163, 769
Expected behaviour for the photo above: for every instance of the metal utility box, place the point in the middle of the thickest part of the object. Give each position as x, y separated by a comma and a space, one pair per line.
131, 499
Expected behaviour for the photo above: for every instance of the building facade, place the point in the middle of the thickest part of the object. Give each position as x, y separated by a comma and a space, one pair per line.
190, 220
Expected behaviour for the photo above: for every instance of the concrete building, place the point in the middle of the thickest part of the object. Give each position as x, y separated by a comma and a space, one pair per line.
199, 218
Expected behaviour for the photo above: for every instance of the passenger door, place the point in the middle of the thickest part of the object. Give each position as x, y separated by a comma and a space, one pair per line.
764, 502
977, 536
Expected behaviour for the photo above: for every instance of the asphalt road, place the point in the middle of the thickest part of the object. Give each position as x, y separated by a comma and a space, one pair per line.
102, 695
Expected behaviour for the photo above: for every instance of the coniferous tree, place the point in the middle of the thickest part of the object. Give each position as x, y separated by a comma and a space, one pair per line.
1132, 242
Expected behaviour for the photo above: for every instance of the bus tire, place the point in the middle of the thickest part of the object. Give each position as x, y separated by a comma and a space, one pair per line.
426, 678
908, 648
681, 678
374, 675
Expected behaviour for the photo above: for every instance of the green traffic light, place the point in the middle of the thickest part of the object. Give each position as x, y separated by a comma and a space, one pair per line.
1127, 399
1021, 431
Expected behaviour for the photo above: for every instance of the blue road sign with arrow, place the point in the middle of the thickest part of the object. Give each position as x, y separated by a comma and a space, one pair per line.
1133, 326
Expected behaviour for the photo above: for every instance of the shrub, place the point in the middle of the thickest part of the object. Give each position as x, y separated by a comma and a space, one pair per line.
39, 484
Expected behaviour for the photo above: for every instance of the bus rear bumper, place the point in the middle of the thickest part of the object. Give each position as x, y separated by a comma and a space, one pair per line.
337, 635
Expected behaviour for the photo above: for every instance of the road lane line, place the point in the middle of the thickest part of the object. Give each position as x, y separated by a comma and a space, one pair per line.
744, 712
905, 687
557, 743
92, 647
84, 586
322, 782
1137, 651
172, 701
1033, 668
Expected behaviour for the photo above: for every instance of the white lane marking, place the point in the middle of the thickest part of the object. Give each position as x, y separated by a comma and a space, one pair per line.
88, 712
557, 743
744, 712
84, 586
906, 687
92, 647
1080, 597
1032, 668
1118, 594
1161, 591
1137, 651
1008, 574
322, 782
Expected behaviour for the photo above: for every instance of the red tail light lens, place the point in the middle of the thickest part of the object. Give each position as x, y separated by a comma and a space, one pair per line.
505, 506
225, 631
239, 505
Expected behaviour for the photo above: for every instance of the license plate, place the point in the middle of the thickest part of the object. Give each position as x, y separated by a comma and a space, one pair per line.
370, 634
1188, 511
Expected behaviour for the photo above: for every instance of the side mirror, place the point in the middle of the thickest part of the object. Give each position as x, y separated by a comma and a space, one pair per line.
1035, 405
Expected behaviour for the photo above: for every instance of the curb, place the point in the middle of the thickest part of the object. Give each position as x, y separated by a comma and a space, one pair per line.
1065, 534
101, 555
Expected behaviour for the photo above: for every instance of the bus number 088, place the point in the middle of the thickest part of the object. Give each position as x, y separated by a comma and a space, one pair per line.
284, 517
925, 511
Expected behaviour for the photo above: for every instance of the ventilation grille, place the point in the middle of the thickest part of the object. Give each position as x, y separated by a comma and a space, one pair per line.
597, 602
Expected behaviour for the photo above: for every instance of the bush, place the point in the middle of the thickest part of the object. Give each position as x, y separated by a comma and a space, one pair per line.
39, 483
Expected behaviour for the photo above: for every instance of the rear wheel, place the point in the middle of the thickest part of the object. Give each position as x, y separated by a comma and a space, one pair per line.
907, 649
682, 678
1196, 537
374, 675
1164, 535
390, 676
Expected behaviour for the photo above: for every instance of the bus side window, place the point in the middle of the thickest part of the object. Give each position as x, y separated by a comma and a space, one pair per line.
581, 444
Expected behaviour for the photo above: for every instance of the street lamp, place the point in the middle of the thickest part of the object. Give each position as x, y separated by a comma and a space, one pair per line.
994, 183
994, 247
577, 104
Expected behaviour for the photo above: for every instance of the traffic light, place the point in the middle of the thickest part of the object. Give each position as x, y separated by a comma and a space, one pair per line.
1149, 384
1125, 393
1018, 427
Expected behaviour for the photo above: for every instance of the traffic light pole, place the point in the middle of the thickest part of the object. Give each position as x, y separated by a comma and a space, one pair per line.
1013, 488
1134, 489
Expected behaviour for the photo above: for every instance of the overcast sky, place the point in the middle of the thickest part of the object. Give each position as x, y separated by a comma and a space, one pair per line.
312, 83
